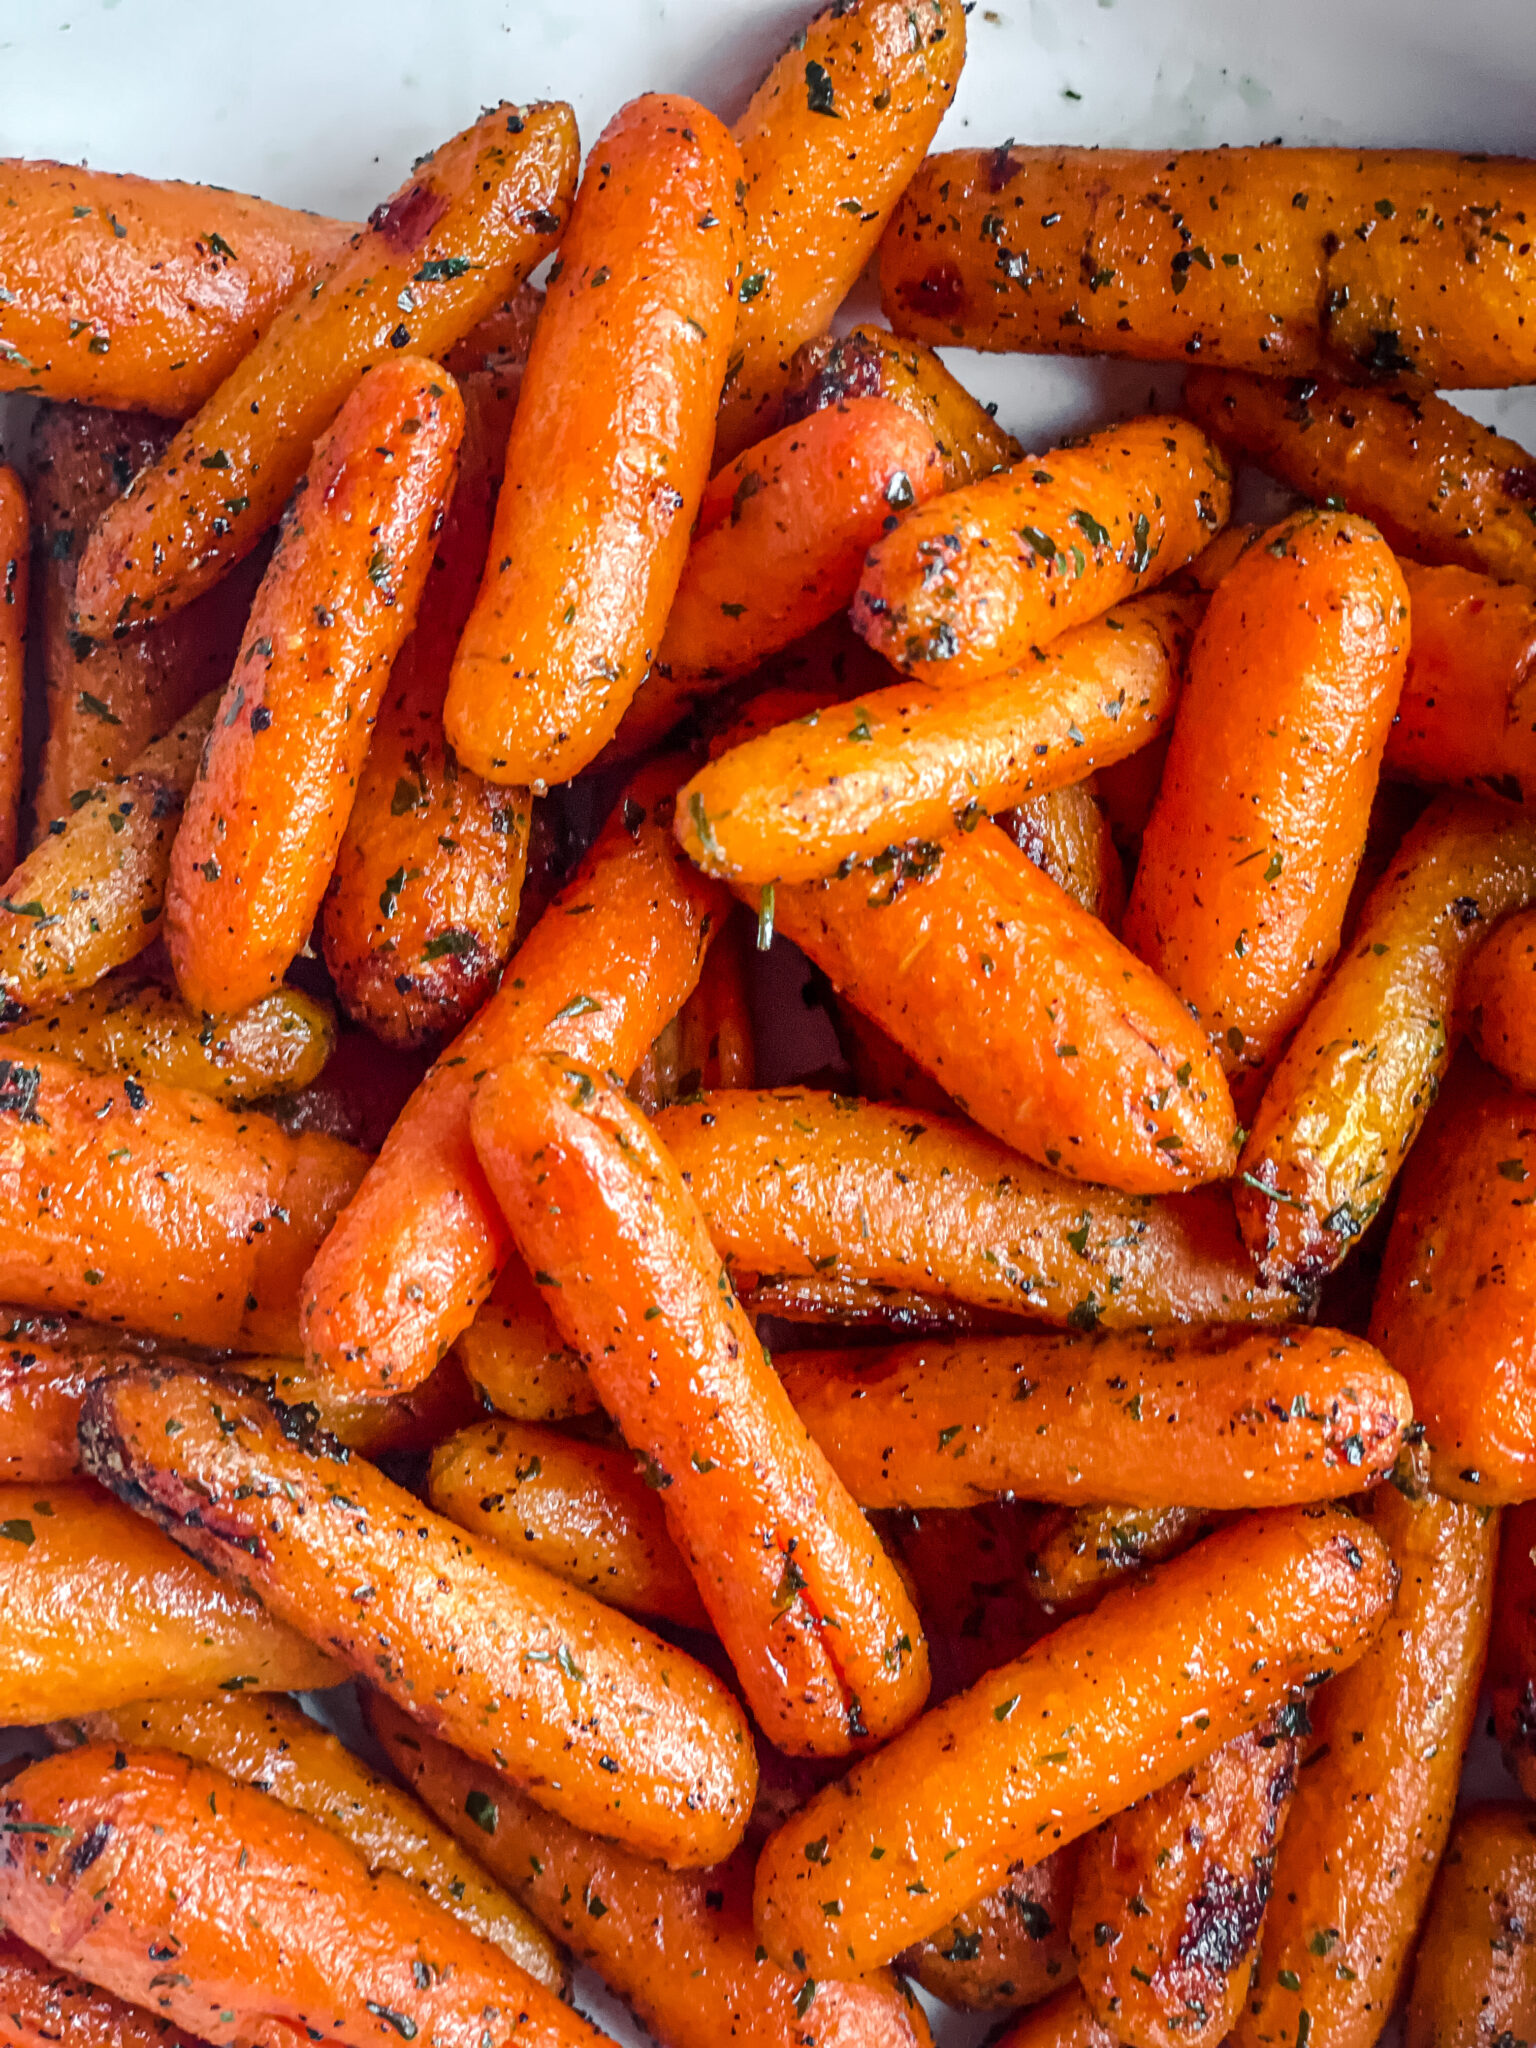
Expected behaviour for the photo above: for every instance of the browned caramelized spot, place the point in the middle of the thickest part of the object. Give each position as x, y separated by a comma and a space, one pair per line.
1521, 482
938, 293
406, 220
1221, 1922
851, 370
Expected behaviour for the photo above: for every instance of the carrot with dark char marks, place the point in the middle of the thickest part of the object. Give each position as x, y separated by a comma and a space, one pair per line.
1009, 1948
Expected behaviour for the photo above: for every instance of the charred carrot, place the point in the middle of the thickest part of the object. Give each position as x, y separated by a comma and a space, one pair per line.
1467, 714
15, 562
1159, 1676
1474, 1978
1008, 1949
45, 2007
816, 1622
600, 1719
472, 219
46, 1364
1495, 1001
515, 1358
973, 585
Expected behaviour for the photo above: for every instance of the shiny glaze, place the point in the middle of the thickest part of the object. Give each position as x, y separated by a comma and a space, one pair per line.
1496, 1004
1008, 1949
515, 1358
1474, 1981
44, 2007
1468, 709
1066, 833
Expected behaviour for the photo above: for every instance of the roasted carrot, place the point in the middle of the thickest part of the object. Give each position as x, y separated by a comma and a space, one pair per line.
600, 1719
499, 341
273, 1745
1077, 1554
421, 910
89, 897
46, 1364
914, 761
358, 1093
1065, 2021
1376, 1790
1512, 1645
1252, 847
276, 1047
1474, 1980
15, 565
1078, 1057
472, 219
515, 1358
118, 1862
1441, 487
677, 1946
1347, 1099
1170, 1895
827, 142
1004, 566
1468, 710
716, 1033
797, 1182
97, 1609
582, 1510
141, 293
1495, 999
1067, 834
1161, 1674
824, 1640
1009, 1949
592, 527
1240, 1420
45, 2007
614, 956
157, 1207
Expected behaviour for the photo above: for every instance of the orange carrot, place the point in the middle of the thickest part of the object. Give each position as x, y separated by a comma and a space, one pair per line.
613, 958
822, 1636
44, 2007
716, 1034
1067, 834
46, 1364
973, 584
515, 1358
1474, 1977
1468, 709
1512, 1646
1065, 2021
1077, 1554
593, 523
1009, 1948
15, 559
473, 218
1495, 1001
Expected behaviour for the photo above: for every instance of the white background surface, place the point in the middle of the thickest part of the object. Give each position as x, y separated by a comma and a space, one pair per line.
324, 103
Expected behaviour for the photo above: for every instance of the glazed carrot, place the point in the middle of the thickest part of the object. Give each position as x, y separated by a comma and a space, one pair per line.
677, 1946
358, 1093
108, 700
716, 1035
89, 897
44, 2007
1375, 1794
1066, 833
275, 784
472, 219
499, 341
175, 1215
273, 1745
1079, 1057
412, 1422
1346, 1101
264, 1911
600, 1719
275, 1047
1453, 1303
46, 1364
515, 1358
828, 140
799, 1183
15, 563
824, 1641
1065, 2021
1009, 1949
913, 761
421, 908
1495, 1005
141, 293
1214, 1420
592, 526
1474, 1980
783, 532
613, 957
1170, 1895
1468, 709
1253, 844
1441, 487
1512, 1645
99, 1610
1078, 1554
582, 1510
1004, 566
1156, 1678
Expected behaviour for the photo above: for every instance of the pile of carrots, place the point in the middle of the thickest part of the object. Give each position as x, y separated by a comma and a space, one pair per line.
446, 689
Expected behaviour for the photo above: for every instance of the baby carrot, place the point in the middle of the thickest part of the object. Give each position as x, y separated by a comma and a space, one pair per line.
1079, 1057
15, 561
815, 1620
1009, 1948
1077, 1554
716, 1034
1467, 714
1474, 1978
1495, 1001
599, 1718
1065, 2021
118, 1862
914, 761
784, 529
1512, 1645
592, 526
515, 1358
828, 140
1067, 834
98, 1609
473, 218
614, 956
1217, 1420
46, 1364
275, 784
45, 2007
972, 585
1159, 1676
1251, 850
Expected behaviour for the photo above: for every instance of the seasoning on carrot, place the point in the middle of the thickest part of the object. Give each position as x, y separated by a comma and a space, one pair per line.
1009, 1948
1467, 714
1474, 1978
46, 2007
1077, 1554
515, 1358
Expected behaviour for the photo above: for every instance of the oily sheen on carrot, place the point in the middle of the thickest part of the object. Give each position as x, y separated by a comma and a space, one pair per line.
46, 2007
1467, 715
1043, 1027
592, 526
118, 1863
1495, 1001
815, 1620
275, 784
609, 963
471, 220
1093, 1717
600, 1719
967, 587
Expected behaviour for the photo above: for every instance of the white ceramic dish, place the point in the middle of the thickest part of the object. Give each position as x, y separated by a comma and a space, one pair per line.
324, 103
